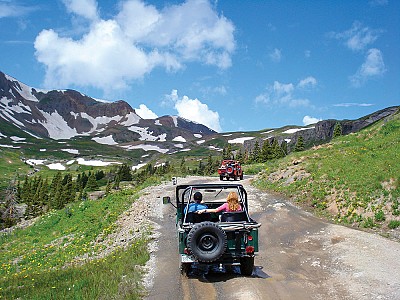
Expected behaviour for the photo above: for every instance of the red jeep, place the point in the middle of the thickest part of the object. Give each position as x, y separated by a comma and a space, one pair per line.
230, 169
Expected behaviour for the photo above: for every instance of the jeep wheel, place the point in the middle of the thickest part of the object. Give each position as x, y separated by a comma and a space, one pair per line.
241, 176
207, 241
246, 265
221, 177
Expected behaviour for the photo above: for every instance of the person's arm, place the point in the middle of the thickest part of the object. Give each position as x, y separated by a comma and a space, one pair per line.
214, 210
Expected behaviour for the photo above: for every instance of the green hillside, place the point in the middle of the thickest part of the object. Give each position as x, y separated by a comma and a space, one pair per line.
354, 179
61, 256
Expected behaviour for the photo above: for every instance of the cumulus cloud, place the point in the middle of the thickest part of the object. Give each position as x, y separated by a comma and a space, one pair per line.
276, 55
358, 37
284, 94
373, 66
195, 110
307, 120
131, 44
145, 113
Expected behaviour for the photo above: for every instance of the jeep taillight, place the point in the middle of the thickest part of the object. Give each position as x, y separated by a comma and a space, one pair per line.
249, 237
249, 249
186, 251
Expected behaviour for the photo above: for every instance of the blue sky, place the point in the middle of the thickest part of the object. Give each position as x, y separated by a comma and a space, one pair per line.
231, 65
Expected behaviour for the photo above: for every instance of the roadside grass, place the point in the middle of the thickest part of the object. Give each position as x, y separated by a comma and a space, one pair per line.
354, 179
56, 257
10, 166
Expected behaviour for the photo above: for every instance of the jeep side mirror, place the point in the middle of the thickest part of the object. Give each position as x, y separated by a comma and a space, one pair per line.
166, 200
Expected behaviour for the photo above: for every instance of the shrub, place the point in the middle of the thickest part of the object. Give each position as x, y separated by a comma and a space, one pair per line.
394, 224
380, 216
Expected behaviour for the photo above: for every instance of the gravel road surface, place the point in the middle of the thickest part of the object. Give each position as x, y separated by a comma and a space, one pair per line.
301, 256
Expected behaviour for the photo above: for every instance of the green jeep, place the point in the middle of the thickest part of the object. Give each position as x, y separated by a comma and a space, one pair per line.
222, 239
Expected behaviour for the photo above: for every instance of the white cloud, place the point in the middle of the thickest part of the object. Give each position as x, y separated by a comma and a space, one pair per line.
276, 55
307, 82
145, 113
9, 9
353, 104
307, 120
372, 67
195, 110
134, 42
284, 94
357, 37
83, 8
307, 53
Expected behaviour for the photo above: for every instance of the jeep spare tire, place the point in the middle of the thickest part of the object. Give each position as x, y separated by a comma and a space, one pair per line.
207, 241
229, 169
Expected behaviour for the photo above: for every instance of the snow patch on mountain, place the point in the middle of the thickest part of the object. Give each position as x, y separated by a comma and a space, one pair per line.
146, 148
293, 130
17, 138
72, 151
107, 140
10, 146
197, 135
57, 127
20, 108
95, 163
200, 142
240, 140
56, 166
132, 118
157, 122
145, 135
175, 119
24, 90
35, 162
179, 139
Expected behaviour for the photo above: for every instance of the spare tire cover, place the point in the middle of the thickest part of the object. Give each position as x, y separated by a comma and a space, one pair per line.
229, 169
207, 241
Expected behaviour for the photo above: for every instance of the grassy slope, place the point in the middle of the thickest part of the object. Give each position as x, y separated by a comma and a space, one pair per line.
355, 179
33, 259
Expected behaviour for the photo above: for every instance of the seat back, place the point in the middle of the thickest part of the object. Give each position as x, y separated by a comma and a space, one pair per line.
236, 216
192, 217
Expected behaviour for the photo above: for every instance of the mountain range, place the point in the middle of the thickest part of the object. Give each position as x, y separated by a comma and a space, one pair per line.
63, 116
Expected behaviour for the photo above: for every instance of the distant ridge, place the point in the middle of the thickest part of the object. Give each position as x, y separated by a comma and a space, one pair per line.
65, 114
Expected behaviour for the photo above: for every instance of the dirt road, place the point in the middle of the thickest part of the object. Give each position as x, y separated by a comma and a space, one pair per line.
301, 257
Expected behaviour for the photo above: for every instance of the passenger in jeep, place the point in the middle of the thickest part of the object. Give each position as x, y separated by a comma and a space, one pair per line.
197, 205
231, 205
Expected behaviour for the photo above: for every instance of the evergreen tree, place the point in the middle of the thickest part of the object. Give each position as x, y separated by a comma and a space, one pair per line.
299, 144
276, 149
117, 181
91, 183
266, 151
284, 148
125, 173
200, 170
337, 130
108, 187
256, 157
182, 166
84, 179
229, 154
209, 168
239, 155
68, 193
